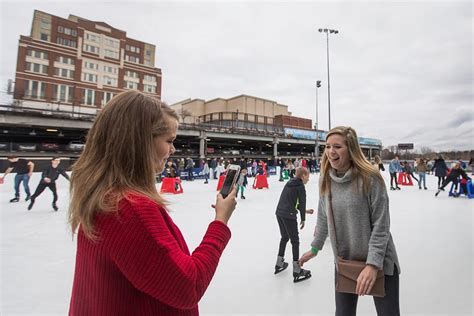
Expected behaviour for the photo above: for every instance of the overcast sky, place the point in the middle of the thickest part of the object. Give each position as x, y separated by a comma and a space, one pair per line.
400, 72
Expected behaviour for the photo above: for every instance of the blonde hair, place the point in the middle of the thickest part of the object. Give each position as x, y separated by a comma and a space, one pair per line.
118, 159
300, 172
377, 159
361, 167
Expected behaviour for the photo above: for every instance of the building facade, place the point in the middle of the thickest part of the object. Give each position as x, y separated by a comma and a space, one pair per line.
77, 65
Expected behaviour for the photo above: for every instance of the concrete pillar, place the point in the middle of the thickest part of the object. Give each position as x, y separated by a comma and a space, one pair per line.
202, 145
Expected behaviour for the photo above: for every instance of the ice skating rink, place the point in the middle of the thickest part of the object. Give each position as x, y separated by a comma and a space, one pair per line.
433, 237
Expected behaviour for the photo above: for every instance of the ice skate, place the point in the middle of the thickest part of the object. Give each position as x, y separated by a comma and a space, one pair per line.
55, 208
280, 265
15, 199
300, 274
30, 206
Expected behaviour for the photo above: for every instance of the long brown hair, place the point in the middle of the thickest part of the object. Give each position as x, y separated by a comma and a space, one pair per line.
118, 158
359, 164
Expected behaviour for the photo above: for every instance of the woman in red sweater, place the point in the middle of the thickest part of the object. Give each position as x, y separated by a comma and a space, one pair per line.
131, 258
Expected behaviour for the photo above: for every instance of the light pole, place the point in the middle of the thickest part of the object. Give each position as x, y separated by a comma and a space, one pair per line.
316, 149
327, 31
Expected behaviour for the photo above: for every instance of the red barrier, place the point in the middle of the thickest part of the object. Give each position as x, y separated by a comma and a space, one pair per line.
404, 179
171, 185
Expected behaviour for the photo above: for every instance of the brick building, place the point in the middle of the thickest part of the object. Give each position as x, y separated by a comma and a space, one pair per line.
77, 65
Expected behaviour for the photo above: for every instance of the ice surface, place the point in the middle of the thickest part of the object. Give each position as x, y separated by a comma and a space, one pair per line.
433, 237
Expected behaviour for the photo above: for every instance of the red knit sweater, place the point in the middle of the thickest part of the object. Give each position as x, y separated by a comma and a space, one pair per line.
141, 264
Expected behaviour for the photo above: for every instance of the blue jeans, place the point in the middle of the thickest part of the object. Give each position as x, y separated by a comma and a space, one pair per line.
19, 178
422, 179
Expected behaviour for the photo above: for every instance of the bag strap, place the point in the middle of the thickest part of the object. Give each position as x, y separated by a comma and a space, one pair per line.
331, 219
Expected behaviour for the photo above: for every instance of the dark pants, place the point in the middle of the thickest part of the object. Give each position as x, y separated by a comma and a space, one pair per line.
289, 231
346, 303
393, 177
43, 185
440, 180
190, 173
447, 181
25, 178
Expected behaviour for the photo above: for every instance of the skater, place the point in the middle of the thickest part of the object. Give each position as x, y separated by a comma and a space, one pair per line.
354, 192
189, 169
48, 180
131, 258
409, 171
24, 170
242, 183
440, 170
453, 176
421, 170
292, 200
393, 168
206, 170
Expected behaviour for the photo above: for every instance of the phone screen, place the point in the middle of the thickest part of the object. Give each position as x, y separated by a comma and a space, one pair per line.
228, 182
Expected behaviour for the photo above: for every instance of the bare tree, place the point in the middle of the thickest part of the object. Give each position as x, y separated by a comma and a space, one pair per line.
184, 114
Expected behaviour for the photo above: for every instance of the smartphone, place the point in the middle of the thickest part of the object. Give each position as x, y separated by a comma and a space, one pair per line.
233, 172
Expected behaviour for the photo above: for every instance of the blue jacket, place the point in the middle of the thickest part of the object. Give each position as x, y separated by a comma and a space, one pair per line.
394, 166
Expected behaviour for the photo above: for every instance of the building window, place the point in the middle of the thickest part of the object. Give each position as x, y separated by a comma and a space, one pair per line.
63, 93
60, 29
111, 54
107, 97
91, 49
150, 78
132, 74
149, 88
89, 97
90, 65
44, 37
35, 89
37, 54
130, 85
110, 69
132, 59
45, 25
111, 42
65, 73
89, 77
110, 81
148, 52
66, 42
38, 68
93, 37
65, 60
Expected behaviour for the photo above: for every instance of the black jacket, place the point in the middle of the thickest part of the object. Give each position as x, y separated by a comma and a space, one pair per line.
292, 199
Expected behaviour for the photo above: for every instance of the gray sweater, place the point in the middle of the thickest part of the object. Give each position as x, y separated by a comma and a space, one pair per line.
362, 222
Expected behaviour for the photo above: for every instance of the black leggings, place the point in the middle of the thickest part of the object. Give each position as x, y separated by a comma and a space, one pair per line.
393, 177
346, 303
441, 180
43, 185
446, 182
289, 231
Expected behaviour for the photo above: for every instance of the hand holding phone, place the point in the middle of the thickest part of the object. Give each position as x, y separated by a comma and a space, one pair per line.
233, 172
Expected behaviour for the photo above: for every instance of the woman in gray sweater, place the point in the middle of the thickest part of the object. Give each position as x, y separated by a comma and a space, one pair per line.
361, 215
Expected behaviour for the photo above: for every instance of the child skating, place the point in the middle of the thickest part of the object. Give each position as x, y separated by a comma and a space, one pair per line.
48, 179
242, 183
292, 200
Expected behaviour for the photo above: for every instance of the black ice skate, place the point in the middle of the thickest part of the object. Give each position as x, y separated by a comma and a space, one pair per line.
15, 199
300, 274
32, 202
280, 265
55, 208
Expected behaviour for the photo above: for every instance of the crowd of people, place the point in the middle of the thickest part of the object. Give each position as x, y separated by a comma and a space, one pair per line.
132, 259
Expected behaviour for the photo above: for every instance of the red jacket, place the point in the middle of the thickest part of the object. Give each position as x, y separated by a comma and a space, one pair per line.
141, 264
